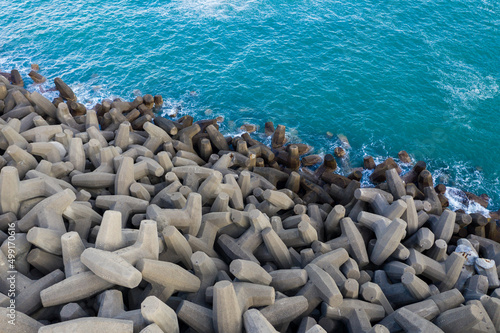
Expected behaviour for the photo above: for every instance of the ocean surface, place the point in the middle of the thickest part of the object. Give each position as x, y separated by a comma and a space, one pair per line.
422, 76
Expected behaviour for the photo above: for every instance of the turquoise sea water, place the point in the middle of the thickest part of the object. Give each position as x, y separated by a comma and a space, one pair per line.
422, 76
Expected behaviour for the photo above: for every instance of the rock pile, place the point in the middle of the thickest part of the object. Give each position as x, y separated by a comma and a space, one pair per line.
121, 224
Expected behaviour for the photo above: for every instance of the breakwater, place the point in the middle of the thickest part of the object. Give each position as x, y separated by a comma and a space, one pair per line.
126, 221
420, 76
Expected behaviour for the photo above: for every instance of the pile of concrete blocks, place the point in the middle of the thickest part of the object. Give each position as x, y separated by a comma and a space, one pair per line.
123, 221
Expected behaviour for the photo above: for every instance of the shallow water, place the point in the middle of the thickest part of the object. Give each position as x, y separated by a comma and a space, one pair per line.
421, 76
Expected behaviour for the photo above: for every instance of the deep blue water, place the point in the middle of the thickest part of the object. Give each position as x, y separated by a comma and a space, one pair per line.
416, 75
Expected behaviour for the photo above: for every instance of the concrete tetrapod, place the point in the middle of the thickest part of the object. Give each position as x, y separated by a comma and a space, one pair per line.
74, 288
72, 249
445, 273
357, 314
352, 241
244, 247
276, 248
249, 271
412, 322
23, 323
178, 247
284, 311
188, 218
111, 267
372, 293
210, 226
389, 236
288, 279
27, 290
196, 316
124, 204
110, 236
459, 320
286, 263
326, 286
428, 309
303, 235
48, 213
206, 270
84, 325
155, 311
226, 310
167, 278
255, 322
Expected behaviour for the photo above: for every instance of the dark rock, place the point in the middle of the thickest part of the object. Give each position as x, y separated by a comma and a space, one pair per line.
404, 157
330, 161
64, 90
339, 152
440, 188
37, 78
16, 78
369, 163
269, 128
311, 160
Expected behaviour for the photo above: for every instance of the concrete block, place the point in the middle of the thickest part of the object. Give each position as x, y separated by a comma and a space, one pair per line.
276, 248
492, 307
227, 313
43, 261
246, 244
111, 267
206, 270
485, 324
446, 273
421, 240
396, 293
371, 292
459, 320
74, 288
124, 204
156, 136
211, 224
412, 322
178, 247
396, 184
324, 283
196, 316
72, 249
352, 241
155, 311
332, 222
357, 314
443, 226
255, 322
303, 235
82, 325
187, 219
110, 236
388, 235
285, 310
249, 271
288, 279
72, 311
168, 277
145, 247
24, 323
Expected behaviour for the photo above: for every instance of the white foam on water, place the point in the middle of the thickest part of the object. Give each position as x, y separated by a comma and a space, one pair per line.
213, 9
458, 200
453, 175
461, 176
465, 86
